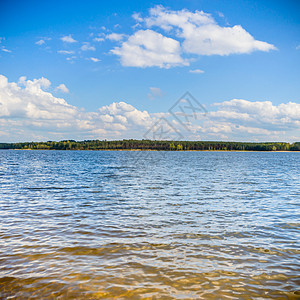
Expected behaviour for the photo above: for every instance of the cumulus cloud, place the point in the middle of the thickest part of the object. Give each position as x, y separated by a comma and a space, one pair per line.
196, 71
62, 88
32, 101
27, 111
147, 48
202, 35
87, 47
125, 113
68, 39
186, 33
240, 119
262, 112
115, 36
168, 19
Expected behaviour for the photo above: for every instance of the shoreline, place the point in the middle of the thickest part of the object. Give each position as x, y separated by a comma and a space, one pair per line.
154, 145
151, 150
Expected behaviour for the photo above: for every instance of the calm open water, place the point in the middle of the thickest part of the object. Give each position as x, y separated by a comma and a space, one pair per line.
149, 225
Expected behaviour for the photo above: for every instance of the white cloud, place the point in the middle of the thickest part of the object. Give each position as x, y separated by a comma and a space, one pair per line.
202, 35
62, 88
126, 113
196, 71
298, 47
168, 19
3, 47
137, 17
32, 101
40, 42
147, 48
115, 36
5, 50
188, 33
155, 92
263, 112
28, 111
68, 39
213, 39
245, 120
65, 52
98, 39
87, 47
94, 59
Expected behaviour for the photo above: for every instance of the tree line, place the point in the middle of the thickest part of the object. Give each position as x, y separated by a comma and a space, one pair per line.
152, 145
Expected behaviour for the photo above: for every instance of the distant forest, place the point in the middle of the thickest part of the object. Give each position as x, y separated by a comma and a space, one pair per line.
152, 145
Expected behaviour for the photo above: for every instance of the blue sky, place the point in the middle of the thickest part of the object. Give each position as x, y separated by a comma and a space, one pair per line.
97, 69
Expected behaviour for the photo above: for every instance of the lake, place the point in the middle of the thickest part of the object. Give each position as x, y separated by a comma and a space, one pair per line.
149, 225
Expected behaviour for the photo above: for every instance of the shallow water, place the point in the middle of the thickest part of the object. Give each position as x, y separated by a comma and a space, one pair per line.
149, 225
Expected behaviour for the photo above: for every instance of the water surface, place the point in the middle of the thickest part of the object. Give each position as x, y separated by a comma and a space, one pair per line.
149, 225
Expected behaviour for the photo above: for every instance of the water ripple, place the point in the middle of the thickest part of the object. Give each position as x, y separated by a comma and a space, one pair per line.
187, 225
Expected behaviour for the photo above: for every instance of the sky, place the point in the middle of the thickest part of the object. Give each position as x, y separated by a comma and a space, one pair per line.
122, 69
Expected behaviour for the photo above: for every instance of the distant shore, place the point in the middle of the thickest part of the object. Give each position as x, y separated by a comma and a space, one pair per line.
153, 145
149, 150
